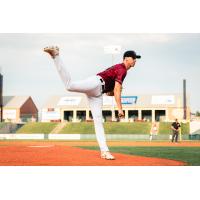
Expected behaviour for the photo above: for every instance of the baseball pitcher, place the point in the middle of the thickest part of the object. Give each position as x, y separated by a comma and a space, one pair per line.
108, 81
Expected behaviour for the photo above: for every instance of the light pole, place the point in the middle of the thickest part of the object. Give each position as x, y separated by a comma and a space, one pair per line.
184, 100
112, 49
1, 95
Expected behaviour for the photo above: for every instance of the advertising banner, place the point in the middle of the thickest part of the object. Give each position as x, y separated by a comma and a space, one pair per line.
69, 101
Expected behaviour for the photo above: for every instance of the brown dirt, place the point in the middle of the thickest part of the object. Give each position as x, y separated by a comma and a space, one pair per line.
52, 153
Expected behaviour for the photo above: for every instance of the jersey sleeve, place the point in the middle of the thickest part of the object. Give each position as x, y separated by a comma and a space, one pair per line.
121, 74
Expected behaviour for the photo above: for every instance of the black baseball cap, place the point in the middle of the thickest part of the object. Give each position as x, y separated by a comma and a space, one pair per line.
131, 54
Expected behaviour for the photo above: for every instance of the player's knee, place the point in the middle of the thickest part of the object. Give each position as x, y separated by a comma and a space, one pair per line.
68, 87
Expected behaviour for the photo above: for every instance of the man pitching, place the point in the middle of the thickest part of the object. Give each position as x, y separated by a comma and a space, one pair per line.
109, 82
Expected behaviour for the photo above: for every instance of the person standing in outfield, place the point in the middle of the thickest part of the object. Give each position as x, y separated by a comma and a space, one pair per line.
109, 82
175, 128
154, 131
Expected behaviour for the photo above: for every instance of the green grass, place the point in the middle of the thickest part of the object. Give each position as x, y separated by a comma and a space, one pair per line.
37, 127
110, 127
190, 155
128, 128
80, 128
165, 128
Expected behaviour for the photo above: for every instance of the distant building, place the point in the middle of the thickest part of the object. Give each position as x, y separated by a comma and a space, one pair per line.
162, 107
19, 109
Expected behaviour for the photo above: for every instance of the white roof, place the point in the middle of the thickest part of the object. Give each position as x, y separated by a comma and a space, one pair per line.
14, 101
80, 101
133, 101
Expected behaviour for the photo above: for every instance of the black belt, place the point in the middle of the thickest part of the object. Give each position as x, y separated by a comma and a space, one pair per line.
102, 86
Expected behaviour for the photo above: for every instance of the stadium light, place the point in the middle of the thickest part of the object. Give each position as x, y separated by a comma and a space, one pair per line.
1, 94
113, 50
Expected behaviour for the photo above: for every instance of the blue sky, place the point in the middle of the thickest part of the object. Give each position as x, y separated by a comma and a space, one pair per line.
166, 60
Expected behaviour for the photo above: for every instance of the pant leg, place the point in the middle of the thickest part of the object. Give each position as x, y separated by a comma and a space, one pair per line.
173, 135
63, 73
90, 86
176, 136
96, 108
150, 137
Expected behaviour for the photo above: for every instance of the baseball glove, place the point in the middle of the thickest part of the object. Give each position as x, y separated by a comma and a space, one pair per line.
111, 93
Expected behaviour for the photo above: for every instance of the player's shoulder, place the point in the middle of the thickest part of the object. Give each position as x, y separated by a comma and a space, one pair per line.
120, 67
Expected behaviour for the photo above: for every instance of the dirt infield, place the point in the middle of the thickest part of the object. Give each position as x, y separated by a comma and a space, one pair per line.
52, 153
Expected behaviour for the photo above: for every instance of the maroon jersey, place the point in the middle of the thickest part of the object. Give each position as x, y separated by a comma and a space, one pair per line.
112, 74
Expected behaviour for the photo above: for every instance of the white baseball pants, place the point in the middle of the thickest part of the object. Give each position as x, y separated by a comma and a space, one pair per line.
92, 87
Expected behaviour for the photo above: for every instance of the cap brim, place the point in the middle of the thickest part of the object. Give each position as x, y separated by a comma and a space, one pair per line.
138, 56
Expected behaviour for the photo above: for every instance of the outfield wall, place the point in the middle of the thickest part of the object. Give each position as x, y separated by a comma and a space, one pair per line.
129, 137
40, 136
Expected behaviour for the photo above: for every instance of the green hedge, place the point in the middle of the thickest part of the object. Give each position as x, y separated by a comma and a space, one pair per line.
185, 128
37, 127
